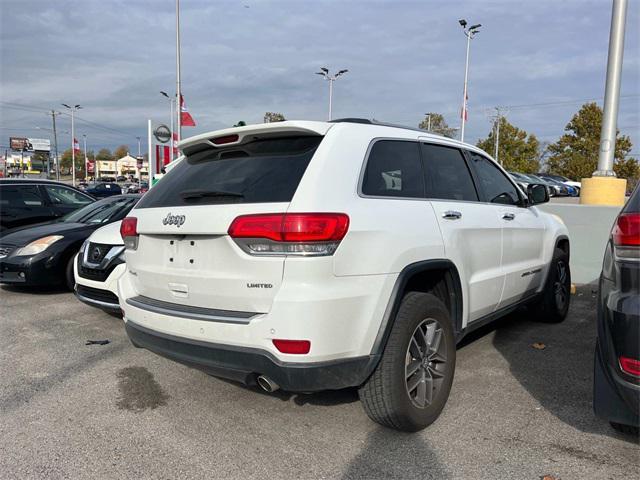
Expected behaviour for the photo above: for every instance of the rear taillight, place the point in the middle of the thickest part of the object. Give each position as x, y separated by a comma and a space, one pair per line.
626, 236
129, 232
630, 366
311, 234
294, 347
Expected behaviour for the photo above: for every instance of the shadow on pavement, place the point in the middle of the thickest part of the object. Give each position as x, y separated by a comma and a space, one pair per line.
560, 376
390, 454
48, 290
325, 398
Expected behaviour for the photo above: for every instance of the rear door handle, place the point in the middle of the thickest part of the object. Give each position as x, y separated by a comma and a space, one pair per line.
452, 215
509, 216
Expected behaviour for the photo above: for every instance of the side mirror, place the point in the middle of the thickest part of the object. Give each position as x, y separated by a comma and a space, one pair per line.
537, 193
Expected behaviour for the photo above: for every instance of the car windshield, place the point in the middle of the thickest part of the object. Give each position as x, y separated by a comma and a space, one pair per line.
102, 211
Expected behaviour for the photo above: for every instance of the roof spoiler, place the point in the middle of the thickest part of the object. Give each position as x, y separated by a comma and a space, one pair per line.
239, 135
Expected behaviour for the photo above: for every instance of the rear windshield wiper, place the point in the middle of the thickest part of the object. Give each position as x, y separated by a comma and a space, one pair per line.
189, 194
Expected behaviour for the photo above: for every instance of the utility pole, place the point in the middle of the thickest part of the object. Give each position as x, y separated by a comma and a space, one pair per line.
139, 146
469, 33
178, 87
324, 72
428, 115
55, 143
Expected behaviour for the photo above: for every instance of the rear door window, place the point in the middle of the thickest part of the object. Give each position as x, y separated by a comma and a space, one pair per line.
446, 174
21, 196
66, 196
261, 171
394, 169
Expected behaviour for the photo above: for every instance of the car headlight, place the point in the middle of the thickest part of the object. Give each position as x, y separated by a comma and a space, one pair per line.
38, 246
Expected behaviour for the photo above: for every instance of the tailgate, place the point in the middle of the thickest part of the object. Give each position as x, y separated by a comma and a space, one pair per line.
198, 264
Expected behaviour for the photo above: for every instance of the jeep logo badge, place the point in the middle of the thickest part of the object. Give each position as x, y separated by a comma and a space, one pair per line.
176, 220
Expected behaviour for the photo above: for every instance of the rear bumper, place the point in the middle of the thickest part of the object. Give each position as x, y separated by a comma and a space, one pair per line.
616, 395
244, 364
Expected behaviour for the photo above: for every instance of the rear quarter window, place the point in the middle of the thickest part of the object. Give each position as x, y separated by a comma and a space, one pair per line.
261, 171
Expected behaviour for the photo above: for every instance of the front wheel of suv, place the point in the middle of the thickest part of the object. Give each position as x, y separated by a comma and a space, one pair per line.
553, 305
411, 384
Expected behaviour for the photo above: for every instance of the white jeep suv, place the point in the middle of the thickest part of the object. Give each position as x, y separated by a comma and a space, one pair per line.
323, 255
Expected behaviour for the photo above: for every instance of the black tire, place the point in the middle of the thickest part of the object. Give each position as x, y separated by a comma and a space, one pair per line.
553, 305
69, 278
626, 429
387, 396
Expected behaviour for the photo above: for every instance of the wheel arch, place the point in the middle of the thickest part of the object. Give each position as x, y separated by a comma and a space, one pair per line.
562, 242
438, 276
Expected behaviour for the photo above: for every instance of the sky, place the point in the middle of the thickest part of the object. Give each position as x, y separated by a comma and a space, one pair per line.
539, 59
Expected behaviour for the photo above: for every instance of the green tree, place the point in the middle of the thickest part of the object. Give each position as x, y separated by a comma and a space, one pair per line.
435, 123
270, 117
104, 154
121, 151
517, 150
575, 154
241, 123
66, 160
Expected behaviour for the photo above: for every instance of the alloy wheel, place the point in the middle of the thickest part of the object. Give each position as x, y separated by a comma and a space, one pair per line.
425, 364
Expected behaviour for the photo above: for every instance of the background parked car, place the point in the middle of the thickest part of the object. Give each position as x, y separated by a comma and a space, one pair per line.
43, 254
26, 202
121, 178
616, 389
562, 179
102, 190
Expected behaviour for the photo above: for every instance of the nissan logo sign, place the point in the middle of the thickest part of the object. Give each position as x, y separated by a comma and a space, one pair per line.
162, 133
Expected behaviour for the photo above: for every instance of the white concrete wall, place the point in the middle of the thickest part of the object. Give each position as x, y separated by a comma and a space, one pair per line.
589, 228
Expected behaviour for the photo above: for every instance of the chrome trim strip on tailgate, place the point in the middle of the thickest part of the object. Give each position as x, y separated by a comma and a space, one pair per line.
193, 313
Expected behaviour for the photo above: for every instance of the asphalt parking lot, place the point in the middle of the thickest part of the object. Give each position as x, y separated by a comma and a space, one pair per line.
70, 410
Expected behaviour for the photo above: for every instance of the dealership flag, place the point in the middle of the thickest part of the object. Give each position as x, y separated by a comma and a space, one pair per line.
76, 146
186, 120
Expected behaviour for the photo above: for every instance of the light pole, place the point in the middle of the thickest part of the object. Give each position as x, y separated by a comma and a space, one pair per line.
428, 115
469, 33
138, 146
73, 142
178, 98
171, 105
330, 78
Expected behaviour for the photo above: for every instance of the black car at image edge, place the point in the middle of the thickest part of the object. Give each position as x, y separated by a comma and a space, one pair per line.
43, 254
29, 201
616, 395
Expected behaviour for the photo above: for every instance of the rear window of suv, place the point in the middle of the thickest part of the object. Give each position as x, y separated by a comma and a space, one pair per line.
261, 171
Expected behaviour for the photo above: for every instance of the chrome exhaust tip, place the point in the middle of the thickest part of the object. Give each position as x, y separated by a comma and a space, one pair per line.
267, 384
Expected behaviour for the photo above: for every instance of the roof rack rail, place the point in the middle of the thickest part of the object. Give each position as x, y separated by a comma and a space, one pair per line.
367, 121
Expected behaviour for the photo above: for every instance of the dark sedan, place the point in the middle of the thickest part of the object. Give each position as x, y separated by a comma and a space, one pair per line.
102, 190
616, 395
29, 201
43, 254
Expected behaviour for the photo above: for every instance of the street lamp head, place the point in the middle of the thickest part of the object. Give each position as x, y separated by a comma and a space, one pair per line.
77, 107
341, 72
475, 27
65, 105
164, 93
462, 22
324, 69
321, 73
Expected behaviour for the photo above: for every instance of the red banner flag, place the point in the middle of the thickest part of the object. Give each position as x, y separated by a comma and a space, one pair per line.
76, 145
186, 120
